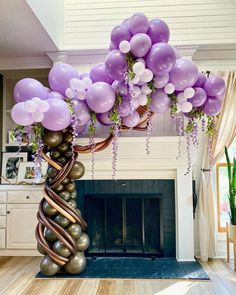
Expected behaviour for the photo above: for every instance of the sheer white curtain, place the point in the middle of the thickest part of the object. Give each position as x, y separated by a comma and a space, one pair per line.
226, 126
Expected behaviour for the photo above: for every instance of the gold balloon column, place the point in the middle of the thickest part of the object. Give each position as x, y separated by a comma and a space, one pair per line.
60, 232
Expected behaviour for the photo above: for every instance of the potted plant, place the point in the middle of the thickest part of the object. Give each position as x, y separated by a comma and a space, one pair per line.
232, 195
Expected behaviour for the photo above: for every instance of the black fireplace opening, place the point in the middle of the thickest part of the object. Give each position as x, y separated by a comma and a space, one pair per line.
124, 225
129, 217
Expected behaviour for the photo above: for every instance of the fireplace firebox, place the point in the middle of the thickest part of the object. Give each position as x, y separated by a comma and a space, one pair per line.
129, 217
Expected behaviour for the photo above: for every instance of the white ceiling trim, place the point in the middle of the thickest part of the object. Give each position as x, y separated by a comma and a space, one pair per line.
13, 63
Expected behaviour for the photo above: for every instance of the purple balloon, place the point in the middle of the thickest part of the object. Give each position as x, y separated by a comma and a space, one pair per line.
112, 46
212, 107
161, 58
125, 23
104, 119
160, 102
82, 112
58, 116
116, 65
83, 75
60, 75
161, 81
140, 44
131, 120
123, 88
55, 94
214, 86
79, 129
120, 33
199, 97
138, 23
158, 31
201, 79
99, 73
20, 116
184, 74
28, 88
100, 97
124, 108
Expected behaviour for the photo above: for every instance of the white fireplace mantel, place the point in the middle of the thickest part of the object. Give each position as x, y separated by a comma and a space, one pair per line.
133, 163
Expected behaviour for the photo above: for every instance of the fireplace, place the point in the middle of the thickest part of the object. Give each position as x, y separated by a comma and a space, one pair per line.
129, 217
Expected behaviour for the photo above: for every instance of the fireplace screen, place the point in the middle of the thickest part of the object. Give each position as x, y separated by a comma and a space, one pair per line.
124, 225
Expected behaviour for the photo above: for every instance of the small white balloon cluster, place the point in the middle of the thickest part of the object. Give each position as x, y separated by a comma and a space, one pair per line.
37, 107
78, 88
183, 105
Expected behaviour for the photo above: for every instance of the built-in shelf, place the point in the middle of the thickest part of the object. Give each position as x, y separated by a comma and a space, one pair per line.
14, 144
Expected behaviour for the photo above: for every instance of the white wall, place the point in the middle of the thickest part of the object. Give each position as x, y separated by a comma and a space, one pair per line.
196, 22
51, 14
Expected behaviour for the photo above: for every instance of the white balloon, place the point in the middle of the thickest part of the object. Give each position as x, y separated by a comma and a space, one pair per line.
138, 68
145, 89
87, 82
147, 75
142, 99
189, 92
124, 46
81, 95
43, 106
38, 116
181, 98
186, 107
77, 84
36, 99
30, 106
135, 80
169, 88
70, 93
136, 91
142, 60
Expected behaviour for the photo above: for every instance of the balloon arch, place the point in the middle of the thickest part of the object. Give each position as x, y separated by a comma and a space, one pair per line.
142, 75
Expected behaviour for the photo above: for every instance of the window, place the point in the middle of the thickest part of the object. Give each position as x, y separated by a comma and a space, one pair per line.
222, 188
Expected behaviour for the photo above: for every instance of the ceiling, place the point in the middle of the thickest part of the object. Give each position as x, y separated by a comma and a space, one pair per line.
21, 33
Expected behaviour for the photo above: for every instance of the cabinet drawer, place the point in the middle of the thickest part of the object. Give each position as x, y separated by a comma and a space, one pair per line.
2, 209
2, 239
29, 197
2, 221
3, 197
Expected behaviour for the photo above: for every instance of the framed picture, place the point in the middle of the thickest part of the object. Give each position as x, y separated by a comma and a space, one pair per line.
26, 138
10, 166
27, 173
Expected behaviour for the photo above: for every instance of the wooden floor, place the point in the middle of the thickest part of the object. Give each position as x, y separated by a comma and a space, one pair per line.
17, 277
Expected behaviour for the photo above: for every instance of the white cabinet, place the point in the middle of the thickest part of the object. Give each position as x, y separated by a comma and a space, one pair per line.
21, 224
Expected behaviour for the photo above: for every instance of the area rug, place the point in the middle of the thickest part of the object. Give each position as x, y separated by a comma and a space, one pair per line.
138, 268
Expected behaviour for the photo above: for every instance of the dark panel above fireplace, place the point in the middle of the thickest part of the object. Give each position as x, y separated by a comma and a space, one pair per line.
129, 217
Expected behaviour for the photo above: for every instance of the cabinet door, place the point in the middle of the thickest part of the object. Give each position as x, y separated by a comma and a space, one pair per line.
21, 223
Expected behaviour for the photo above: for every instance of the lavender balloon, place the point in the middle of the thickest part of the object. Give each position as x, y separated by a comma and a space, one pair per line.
158, 31
79, 129
131, 120
160, 102
199, 97
58, 117
100, 97
212, 106
214, 86
104, 119
28, 88
82, 112
201, 79
140, 44
184, 74
55, 94
99, 73
120, 33
116, 65
60, 75
161, 58
20, 116
138, 23
124, 108
161, 81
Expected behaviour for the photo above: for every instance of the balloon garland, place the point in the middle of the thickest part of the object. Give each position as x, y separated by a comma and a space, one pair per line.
142, 75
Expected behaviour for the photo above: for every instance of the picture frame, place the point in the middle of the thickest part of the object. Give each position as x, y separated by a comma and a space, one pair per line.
10, 166
26, 173
25, 137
